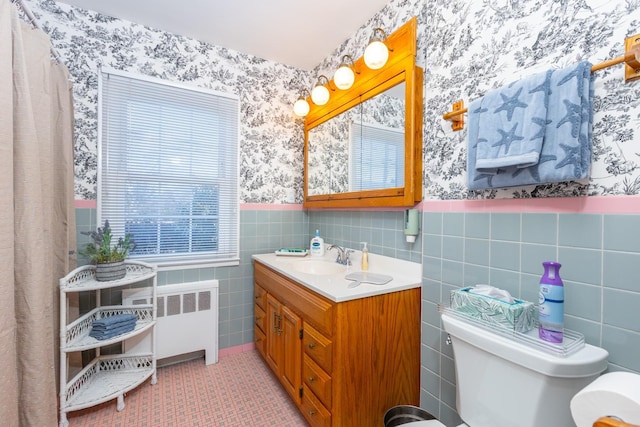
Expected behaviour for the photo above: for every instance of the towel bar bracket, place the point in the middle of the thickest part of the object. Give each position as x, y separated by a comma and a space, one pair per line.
457, 122
632, 58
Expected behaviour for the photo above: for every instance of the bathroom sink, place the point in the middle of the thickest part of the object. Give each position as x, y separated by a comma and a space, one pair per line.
318, 267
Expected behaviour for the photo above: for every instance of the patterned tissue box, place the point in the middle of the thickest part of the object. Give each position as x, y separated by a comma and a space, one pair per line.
519, 316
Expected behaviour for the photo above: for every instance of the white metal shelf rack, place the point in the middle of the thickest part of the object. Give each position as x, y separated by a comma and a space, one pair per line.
105, 377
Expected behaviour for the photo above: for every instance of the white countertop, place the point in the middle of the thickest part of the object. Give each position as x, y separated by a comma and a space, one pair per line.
405, 274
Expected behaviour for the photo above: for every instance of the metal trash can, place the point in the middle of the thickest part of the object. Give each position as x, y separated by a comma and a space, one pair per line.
403, 414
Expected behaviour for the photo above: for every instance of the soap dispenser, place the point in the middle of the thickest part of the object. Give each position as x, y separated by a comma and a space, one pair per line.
365, 257
316, 246
411, 227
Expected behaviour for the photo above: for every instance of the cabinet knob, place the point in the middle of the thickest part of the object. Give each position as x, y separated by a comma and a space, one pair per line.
311, 413
311, 379
311, 345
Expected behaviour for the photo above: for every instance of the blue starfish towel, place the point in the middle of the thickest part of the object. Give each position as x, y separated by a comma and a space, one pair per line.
511, 124
566, 145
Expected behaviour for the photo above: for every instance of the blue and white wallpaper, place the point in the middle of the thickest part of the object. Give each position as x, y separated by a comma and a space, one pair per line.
476, 46
271, 139
466, 48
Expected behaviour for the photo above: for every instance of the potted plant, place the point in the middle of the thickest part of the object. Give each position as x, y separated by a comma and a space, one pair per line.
108, 258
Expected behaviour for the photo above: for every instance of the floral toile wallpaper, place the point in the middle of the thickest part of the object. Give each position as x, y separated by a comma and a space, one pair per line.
271, 139
466, 48
474, 46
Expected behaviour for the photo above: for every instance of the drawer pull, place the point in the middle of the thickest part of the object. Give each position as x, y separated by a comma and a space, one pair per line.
311, 345
311, 379
311, 413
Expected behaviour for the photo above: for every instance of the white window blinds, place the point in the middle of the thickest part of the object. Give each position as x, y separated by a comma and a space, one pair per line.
376, 157
168, 169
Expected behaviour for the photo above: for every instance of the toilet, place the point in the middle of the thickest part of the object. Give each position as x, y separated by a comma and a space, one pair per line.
505, 383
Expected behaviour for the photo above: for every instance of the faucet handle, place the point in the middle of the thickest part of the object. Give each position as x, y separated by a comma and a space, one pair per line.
347, 258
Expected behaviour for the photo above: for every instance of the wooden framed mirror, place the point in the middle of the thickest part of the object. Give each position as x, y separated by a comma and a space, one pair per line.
364, 147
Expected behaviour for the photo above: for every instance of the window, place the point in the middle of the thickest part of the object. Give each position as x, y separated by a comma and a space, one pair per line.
168, 169
376, 154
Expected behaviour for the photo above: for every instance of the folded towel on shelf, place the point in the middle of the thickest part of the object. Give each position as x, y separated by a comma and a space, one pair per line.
567, 132
115, 321
106, 334
511, 123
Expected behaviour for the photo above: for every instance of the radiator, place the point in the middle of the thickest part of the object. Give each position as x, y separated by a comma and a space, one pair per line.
187, 320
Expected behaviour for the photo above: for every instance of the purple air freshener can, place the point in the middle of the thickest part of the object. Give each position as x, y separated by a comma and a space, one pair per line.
551, 303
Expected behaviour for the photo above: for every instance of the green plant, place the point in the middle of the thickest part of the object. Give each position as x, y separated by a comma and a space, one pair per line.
100, 250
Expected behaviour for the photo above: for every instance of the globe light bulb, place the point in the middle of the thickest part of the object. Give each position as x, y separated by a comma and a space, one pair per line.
344, 77
376, 54
320, 94
301, 107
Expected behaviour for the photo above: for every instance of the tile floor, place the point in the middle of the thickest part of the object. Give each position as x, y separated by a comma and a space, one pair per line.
239, 390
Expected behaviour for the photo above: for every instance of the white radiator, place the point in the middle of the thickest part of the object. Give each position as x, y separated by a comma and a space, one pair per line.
187, 319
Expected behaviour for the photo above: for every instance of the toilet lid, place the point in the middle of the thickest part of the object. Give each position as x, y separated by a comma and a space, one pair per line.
428, 423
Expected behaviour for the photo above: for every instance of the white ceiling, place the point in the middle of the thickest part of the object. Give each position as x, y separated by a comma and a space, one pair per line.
300, 33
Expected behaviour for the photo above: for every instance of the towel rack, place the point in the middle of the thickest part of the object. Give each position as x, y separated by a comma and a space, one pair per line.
631, 58
611, 422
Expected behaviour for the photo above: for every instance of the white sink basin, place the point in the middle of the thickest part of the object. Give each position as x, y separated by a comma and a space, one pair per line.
318, 267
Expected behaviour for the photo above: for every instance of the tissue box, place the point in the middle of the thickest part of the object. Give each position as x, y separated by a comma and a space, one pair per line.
519, 316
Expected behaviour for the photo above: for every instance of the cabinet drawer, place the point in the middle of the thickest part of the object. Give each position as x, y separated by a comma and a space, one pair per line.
260, 296
260, 340
313, 410
318, 347
260, 317
317, 380
307, 304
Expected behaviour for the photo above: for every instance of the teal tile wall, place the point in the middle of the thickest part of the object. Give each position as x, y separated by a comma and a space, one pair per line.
383, 230
600, 257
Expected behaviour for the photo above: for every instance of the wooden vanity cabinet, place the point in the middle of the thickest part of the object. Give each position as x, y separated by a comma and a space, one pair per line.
344, 364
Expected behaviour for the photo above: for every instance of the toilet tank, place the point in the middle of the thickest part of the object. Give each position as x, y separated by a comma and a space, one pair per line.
505, 383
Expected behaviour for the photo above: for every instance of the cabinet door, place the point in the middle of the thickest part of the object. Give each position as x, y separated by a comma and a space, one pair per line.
273, 332
291, 366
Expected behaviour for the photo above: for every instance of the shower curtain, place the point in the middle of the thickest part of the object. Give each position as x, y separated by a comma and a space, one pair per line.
37, 218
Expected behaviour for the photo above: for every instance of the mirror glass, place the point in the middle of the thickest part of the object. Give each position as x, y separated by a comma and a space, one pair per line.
360, 149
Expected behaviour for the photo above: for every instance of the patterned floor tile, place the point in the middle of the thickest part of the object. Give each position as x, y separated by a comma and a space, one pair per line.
238, 391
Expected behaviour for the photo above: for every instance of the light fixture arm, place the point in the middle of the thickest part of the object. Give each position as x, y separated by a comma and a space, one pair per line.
379, 38
347, 61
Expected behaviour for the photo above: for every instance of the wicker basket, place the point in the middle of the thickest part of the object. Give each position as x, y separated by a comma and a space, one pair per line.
110, 271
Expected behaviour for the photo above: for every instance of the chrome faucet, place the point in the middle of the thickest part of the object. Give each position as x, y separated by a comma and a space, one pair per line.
344, 257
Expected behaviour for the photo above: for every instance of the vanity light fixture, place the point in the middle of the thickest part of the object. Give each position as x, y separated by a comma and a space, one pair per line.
375, 56
320, 93
377, 53
344, 75
301, 106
